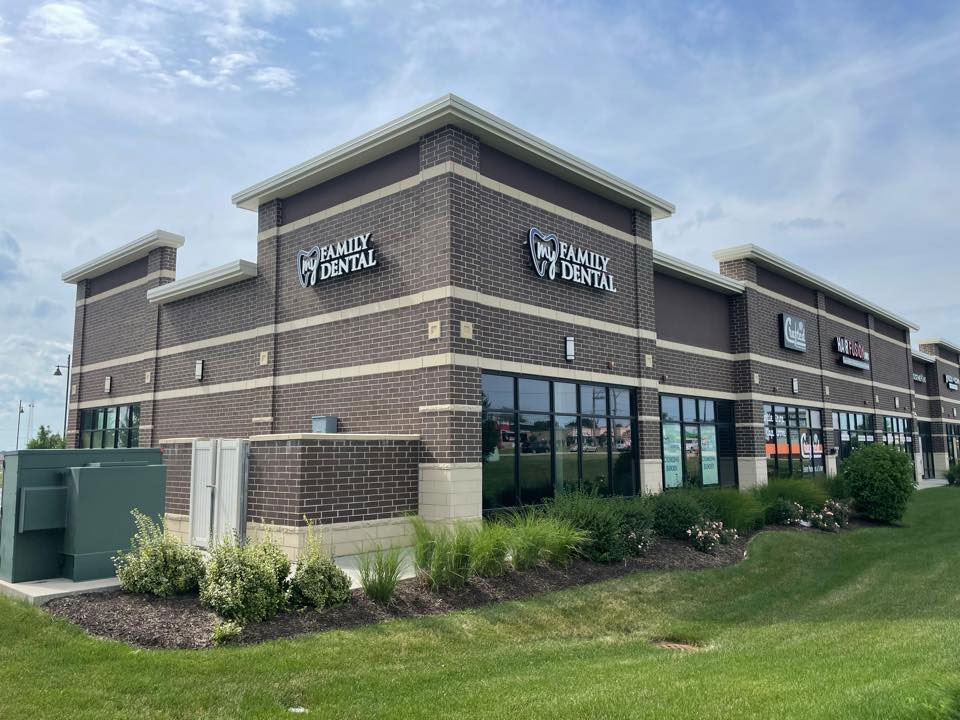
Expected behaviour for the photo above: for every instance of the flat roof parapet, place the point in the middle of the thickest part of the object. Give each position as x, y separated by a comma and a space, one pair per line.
451, 110
123, 255
769, 260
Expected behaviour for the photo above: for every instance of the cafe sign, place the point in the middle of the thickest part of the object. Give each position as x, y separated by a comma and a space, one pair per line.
952, 381
852, 353
556, 259
920, 378
793, 333
338, 258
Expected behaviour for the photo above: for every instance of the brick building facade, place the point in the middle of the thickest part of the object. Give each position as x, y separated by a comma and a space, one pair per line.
487, 318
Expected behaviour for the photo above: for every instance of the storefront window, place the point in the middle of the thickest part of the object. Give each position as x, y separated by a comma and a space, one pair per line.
698, 442
953, 444
794, 441
541, 437
897, 431
850, 431
110, 427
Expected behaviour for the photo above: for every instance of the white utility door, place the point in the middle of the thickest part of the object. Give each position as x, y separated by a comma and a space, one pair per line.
230, 499
203, 472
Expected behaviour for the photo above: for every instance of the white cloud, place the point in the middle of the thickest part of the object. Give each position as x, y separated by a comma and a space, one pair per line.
229, 63
62, 21
326, 34
130, 54
36, 95
274, 78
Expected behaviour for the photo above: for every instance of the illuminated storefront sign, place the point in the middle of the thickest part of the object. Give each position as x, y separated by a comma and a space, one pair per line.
554, 259
336, 259
852, 353
952, 381
793, 333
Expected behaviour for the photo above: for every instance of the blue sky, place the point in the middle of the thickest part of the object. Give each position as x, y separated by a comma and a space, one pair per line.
827, 132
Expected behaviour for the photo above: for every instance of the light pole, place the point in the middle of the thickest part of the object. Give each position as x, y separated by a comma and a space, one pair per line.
19, 413
66, 395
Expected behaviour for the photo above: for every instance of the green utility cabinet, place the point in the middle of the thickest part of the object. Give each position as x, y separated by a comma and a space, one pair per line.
66, 513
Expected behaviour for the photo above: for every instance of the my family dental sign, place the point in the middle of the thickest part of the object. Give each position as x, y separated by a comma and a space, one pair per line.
339, 258
555, 259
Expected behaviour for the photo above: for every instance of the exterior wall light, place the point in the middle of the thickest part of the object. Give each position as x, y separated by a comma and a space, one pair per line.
198, 370
107, 383
569, 348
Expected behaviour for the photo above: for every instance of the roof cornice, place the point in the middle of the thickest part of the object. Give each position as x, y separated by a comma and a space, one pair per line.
783, 266
923, 356
941, 342
694, 274
451, 110
228, 274
123, 255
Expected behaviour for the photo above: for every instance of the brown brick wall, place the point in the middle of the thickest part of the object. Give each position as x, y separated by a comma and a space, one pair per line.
332, 481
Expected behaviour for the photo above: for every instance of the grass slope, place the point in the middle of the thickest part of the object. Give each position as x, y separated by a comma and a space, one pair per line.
863, 625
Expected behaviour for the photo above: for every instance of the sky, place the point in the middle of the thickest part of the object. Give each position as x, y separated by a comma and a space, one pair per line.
827, 132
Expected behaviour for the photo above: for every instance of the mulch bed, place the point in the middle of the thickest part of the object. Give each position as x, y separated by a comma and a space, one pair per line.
182, 622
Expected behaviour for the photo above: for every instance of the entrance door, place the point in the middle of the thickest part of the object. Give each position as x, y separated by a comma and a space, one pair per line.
926, 449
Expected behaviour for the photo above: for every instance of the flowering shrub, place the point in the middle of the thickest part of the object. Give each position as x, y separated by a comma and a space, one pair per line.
831, 517
157, 563
785, 512
639, 542
706, 537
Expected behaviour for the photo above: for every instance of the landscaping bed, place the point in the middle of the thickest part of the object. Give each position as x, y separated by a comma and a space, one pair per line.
182, 622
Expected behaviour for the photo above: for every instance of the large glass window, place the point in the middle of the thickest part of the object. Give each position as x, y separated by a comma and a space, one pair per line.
850, 431
698, 442
953, 443
541, 437
898, 431
110, 427
794, 441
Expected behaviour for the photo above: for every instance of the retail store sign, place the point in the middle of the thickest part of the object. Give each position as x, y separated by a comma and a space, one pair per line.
952, 381
336, 259
852, 353
558, 260
793, 333
920, 378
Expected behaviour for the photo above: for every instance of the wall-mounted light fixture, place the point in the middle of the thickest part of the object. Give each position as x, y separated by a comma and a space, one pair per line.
198, 370
107, 383
796, 386
569, 348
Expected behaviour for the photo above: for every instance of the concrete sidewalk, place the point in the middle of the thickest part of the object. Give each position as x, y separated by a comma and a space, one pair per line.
43, 591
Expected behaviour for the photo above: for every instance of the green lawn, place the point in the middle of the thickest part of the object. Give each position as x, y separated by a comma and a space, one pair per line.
861, 625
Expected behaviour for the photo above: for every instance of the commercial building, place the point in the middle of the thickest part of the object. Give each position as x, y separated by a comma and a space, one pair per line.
488, 321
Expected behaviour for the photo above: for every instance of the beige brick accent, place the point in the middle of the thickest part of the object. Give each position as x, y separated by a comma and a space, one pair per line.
339, 539
451, 491
177, 525
752, 472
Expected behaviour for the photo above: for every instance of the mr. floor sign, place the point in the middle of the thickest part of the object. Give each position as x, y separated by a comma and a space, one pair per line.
338, 258
557, 260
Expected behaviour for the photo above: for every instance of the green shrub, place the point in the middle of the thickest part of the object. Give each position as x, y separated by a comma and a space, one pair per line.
792, 490
379, 573
491, 545
450, 556
953, 474
226, 632
881, 481
241, 582
676, 511
782, 511
157, 563
834, 487
317, 582
538, 538
601, 518
733, 508
636, 524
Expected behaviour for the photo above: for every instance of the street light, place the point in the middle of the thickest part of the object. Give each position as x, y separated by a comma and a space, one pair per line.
19, 413
66, 395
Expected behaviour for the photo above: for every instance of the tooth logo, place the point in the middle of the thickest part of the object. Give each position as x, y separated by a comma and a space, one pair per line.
307, 263
544, 251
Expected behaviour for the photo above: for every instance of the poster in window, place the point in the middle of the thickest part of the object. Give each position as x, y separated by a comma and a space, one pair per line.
708, 454
672, 455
